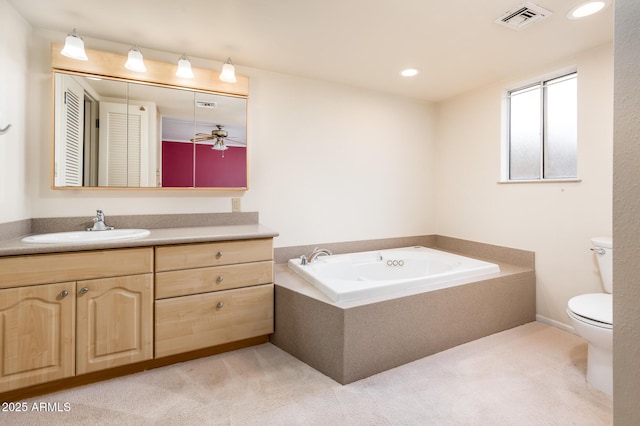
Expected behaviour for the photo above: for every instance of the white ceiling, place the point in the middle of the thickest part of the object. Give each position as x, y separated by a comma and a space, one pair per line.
364, 43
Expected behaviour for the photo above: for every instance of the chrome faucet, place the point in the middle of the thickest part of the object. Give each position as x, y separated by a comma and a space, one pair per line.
314, 254
99, 223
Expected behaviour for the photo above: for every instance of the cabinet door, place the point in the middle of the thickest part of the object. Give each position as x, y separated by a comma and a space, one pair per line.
114, 322
36, 334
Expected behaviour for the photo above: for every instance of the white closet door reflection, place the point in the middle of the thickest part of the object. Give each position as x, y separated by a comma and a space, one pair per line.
123, 138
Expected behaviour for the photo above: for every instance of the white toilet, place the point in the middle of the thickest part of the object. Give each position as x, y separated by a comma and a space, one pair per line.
592, 318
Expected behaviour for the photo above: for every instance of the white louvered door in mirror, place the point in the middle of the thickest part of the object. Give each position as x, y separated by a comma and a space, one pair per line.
69, 115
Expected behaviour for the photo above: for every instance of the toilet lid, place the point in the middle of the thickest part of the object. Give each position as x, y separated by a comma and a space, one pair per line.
597, 307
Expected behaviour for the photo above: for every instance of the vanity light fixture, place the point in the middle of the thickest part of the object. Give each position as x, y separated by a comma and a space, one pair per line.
184, 67
410, 72
74, 47
587, 9
228, 74
135, 61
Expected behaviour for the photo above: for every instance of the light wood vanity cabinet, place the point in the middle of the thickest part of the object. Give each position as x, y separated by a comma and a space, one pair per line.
212, 293
82, 313
67, 314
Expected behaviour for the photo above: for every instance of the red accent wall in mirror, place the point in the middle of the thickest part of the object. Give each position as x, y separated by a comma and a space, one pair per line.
226, 169
177, 164
213, 169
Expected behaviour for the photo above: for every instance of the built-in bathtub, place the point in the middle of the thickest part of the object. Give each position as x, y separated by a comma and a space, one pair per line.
354, 276
352, 339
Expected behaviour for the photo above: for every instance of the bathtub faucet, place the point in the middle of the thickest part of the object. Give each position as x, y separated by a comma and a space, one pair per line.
314, 254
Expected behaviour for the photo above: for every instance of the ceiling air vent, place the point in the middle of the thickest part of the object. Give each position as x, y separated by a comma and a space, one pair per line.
523, 16
205, 104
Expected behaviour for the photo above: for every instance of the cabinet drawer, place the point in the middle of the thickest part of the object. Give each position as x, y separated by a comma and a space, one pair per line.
194, 322
185, 256
17, 271
216, 278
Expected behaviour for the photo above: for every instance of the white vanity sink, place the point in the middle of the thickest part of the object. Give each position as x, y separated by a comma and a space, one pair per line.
77, 237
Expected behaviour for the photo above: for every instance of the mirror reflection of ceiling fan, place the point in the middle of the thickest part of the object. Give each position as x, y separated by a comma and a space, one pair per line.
218, 134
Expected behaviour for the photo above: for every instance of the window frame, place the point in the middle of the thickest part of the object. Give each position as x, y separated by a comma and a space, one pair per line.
505, 175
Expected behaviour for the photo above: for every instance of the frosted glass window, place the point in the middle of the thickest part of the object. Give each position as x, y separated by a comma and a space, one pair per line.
524, 132
561, 139
543, 130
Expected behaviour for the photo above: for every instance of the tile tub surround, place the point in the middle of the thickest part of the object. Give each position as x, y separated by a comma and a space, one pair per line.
353, 340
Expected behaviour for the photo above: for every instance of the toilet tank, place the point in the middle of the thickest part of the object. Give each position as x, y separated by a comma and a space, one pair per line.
603, 249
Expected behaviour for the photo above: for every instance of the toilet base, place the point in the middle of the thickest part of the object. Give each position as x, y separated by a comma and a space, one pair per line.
600, 369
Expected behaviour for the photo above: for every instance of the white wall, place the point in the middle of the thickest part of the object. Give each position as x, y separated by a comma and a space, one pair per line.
15, 40
327, 162
333, 163
555, 220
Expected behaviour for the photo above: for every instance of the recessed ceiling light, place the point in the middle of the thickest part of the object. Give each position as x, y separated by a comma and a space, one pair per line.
587, 9
410, 72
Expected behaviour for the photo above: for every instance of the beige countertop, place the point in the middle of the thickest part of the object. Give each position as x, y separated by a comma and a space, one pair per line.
161, 236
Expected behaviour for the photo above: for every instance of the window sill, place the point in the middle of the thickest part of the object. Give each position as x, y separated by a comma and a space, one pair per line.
571, 180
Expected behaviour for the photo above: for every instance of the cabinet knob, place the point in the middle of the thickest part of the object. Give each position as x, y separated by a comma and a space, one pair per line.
219, 305
63, 294
219, 279
84, 290
219, 254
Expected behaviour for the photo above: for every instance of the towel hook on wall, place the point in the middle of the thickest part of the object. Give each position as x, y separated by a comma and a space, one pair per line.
5, 130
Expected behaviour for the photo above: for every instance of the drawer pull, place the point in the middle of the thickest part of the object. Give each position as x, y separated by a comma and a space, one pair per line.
219, 305
63, 294
219, 279
84, 290
219, 254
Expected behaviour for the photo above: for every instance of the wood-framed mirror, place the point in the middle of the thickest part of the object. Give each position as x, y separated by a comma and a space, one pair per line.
118, 129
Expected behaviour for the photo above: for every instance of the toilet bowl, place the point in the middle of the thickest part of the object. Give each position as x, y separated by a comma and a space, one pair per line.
592, 318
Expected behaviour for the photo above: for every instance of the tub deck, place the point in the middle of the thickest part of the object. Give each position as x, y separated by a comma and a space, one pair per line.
351, 340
